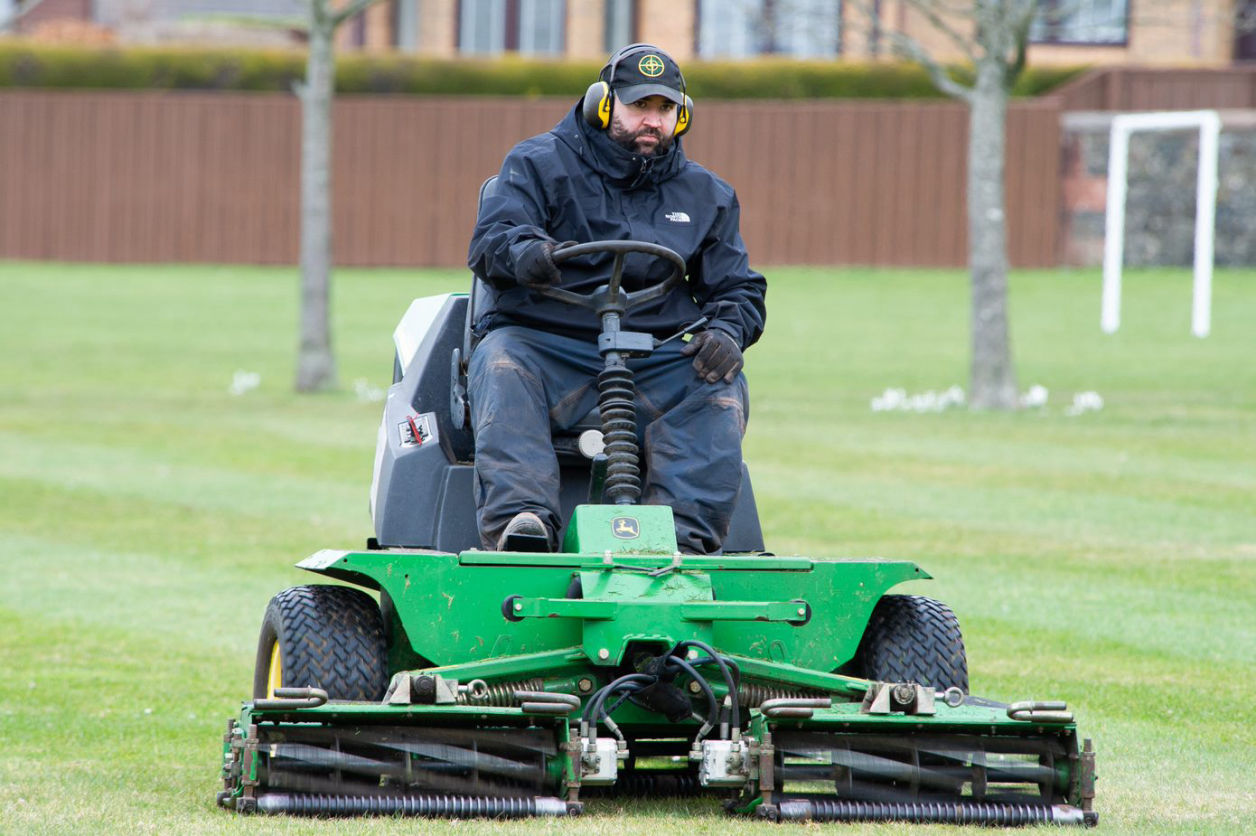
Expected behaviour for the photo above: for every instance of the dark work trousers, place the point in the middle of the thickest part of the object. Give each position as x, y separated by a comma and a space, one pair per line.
524, 384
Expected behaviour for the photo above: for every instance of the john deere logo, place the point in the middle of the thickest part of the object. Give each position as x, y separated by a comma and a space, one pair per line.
651, 66
626, 528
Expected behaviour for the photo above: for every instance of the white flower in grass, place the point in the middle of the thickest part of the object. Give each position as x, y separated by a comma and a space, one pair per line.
1036, 396
366, 392
897, 400
244, 381
933, 402
1085, 402
890, 399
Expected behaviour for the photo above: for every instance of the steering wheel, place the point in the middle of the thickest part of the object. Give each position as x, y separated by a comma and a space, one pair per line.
611, 296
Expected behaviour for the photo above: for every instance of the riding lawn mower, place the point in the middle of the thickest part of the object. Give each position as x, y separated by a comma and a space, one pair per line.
522, 682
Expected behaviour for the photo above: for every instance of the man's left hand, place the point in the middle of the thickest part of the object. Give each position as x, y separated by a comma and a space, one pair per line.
718, 355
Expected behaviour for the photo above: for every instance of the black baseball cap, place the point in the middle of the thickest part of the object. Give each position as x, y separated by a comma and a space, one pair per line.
646, 72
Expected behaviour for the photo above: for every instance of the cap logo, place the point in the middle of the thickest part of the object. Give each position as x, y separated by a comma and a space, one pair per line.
651, 66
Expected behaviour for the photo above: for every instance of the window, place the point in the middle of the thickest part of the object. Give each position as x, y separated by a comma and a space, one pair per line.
406, 24
490, 27
541, 26
742, 28
1245, 31
619, 28
1081, 22
807, 28
727, 28
482, 26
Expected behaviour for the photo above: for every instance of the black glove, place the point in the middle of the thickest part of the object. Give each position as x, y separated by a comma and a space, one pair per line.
718, 355
535, 266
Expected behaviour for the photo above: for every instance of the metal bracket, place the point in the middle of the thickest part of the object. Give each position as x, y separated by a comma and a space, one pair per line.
630, 343
290, 698
1087, 782
898, 697
1040, 712
547, 702
588, 609
794, 707
430, 689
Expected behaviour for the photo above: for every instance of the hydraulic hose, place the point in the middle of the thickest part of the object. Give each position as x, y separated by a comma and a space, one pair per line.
713, 714
725, 669
593, 708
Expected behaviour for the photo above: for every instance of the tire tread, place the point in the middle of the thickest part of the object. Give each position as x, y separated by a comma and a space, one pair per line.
912, 638
330, 637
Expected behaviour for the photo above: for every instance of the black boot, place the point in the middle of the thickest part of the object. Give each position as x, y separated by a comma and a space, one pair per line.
525, 533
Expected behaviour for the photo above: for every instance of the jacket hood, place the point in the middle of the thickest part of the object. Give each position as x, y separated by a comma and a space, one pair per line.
612, 160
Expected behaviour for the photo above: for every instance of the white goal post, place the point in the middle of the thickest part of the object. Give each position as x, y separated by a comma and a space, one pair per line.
1209, 124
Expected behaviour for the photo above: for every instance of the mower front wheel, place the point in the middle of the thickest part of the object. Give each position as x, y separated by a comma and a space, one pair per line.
329, 637
911, 638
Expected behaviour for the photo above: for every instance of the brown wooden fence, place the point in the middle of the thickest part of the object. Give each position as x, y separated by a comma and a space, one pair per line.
1135, 88
212, 177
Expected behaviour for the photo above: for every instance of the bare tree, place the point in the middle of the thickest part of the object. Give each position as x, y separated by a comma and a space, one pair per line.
316, 366
993, 35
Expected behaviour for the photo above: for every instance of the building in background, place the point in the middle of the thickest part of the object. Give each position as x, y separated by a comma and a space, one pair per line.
1103, 32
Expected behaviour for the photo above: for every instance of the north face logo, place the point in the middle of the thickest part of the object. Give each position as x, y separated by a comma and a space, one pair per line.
677, 217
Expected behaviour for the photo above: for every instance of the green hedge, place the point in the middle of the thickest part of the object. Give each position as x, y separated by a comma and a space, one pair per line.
23, 65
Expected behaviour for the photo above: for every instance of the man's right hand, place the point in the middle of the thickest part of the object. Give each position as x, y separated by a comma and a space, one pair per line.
535, 266
718, 355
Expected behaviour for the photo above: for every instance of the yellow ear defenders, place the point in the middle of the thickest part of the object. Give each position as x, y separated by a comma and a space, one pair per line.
599, 99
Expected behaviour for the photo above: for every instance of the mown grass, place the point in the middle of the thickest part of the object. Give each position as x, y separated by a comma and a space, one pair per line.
146, 516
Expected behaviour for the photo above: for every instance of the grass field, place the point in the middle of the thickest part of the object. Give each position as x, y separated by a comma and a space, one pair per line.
147, 515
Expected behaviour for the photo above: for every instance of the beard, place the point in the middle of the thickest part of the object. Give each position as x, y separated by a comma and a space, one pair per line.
630, 140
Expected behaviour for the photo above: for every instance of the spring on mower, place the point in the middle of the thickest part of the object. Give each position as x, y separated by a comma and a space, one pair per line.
648, 784
616, 400
502, 694
296, 804
753, 695
999, 815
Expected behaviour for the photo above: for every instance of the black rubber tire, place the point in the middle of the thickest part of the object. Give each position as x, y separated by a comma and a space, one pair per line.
911, 638
330, 637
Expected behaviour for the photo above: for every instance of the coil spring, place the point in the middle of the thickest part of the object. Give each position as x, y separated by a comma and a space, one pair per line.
641, 784
459, 806
502, 694
753, 695
995, 815
616, 400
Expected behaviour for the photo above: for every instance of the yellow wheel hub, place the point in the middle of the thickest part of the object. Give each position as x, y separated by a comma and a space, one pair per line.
274, 674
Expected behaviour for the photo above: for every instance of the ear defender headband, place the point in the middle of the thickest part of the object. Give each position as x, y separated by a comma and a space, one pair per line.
599, 99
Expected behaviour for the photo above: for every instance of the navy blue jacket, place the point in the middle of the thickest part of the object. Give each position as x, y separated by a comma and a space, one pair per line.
574, 183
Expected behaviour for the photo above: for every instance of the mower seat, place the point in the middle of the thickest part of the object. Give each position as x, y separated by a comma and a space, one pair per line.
478, 300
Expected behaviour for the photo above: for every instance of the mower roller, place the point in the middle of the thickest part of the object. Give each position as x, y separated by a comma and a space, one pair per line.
519, 683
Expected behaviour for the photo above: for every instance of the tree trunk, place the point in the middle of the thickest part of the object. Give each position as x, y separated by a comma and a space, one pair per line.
316, 367
992, 380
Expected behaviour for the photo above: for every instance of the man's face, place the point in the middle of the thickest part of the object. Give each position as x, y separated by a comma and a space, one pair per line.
645, 126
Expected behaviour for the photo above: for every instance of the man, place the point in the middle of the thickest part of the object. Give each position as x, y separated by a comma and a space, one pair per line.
613, 168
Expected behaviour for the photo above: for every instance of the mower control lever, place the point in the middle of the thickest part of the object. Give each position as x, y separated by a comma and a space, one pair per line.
688, 329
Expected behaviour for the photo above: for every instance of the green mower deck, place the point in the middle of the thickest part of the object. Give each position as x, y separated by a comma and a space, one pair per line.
519, 684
